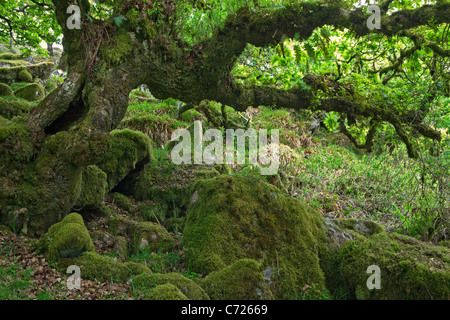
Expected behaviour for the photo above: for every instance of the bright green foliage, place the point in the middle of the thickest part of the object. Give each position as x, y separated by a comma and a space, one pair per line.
243, 280
67, 238
236, 217
165, 292
410, 269
128, 149
27, 23
31, 92
187, 286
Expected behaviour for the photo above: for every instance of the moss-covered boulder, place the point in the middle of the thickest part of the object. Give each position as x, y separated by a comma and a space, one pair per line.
165, 292
103, 268
123, 202
238, 217
243, 280
5, 90
410, 269
187, 286
11, 107
93, 188
144, 235
67, 238
25, 76
17, 69
31, 92
128, 150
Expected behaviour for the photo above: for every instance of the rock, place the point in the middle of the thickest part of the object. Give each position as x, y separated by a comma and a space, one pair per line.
67, 238
121, 247
237, 217
102, 268
129, 150
187, 286
5, 90
410, 269
243, 280
93, 189
123, 202
25, 76
144, 234
10, 108
165, 292
31, 92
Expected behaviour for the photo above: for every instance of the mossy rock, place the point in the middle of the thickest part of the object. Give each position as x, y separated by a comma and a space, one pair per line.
5, 90
67, 238
103, 268
4, 229
145, 235
165, 292
10, 56
187, 286
410, 269
93, 188
243, 280
12, 107
53, 184
31, 92
128, 150
25, 76
237, 217
123, 202
363, 227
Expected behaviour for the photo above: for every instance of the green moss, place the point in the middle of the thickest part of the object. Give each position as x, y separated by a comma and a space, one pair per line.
207, 174
187, 286
10, 56
11, 107
25, 76
242, 280
123, 202
93, 188
5, 90
128, 149
165, 292
31, 92
410, 269
175, 225
102, 268
4, 229
143, 234
56, 180
363, 227
15, 141
115, 53
67, 238
237, 217
17, 85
